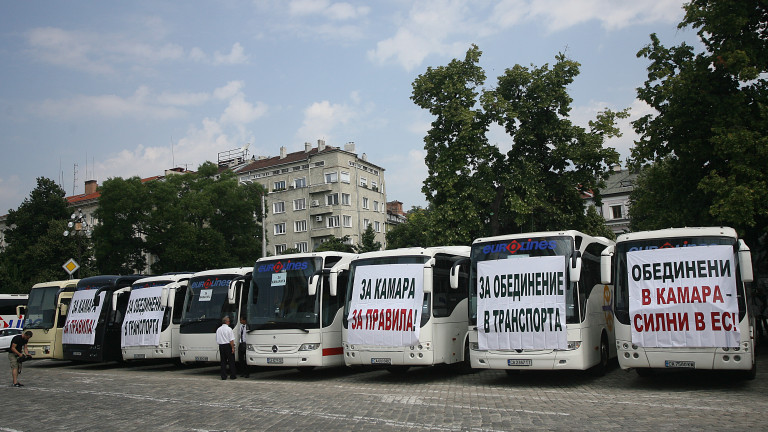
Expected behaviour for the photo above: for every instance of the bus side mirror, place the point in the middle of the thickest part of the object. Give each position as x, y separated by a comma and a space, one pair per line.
428, 279
313, 281
745, 262
164, 296
63, 309
21, 310
232, 291
114, 301
97, 299
333, 283
574, 272
455, 271
606, 259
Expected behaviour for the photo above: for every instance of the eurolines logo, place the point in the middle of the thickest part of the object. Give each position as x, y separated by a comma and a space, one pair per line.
280, 266
210, 283
514, 246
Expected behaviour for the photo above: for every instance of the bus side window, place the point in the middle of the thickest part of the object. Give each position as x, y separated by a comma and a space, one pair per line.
63, 318
178, 304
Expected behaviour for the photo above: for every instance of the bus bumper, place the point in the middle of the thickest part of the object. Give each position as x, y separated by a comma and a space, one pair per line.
41, 351
145, 353
634, 357
365, 355
573, 359
294, 356
199, 354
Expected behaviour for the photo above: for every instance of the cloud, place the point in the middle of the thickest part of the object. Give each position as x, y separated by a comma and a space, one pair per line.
340, 11
447, 27
106, 53
405, 175
142, 104
321, 118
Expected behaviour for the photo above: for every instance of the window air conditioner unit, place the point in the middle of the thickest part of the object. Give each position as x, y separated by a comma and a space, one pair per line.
318, 218
315, 203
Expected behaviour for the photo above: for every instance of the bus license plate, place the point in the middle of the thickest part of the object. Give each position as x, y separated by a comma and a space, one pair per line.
76, 353
31, 352
139, 356
519, 362
680, 364
201, 358
274, 360
381, 361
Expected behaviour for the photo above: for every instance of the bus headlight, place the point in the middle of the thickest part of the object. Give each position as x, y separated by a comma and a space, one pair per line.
574, 345
309, 346
47, 349
251, 347
474, 346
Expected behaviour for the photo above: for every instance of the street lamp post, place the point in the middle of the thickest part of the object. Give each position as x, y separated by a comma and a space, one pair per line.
78, 226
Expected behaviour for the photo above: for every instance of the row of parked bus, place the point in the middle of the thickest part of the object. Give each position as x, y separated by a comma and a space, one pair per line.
667, 299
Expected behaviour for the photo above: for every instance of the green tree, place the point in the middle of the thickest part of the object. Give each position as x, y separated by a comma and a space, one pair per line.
368, 241
37, 247
337, 244
414, 232
473, 188
705, 150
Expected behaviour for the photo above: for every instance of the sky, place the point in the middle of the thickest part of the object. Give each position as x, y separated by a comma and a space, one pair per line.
94, 89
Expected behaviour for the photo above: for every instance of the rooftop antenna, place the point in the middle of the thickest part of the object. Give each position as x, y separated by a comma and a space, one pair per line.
74, 180
173, 158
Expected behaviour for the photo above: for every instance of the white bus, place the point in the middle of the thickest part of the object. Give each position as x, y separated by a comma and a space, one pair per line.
45, 316
11, 310
171, 290
400, 310
680, 300
294, 313
536, 302
206, 302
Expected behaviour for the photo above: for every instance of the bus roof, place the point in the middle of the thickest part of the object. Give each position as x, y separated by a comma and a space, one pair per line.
67, 283
415, 251
566, 233
107, 281
679, 232
175, 277
306, 255
233, 270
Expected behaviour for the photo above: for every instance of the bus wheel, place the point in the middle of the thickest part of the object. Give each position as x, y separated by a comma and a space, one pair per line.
398, 370
600, 369
465, 366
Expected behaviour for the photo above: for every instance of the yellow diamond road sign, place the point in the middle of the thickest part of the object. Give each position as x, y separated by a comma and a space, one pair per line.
71, 266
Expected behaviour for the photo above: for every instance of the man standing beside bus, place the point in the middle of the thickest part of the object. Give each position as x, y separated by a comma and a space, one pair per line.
18, 344
225, 337
242, 349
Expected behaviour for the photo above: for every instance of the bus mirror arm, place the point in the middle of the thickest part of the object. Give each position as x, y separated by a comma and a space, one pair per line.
232, 290
313, 281
745, 262
606, 259
63, 309
575, 268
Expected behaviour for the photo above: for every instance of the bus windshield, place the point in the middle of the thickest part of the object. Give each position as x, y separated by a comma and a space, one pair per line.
621, 284
279, 298
206, 304
41, 308
524, 248
426, 310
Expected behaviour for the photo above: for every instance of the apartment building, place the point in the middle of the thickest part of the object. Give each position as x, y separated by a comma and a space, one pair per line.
317, 194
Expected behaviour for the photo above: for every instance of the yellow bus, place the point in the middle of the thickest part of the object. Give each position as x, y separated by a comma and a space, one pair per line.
46, 313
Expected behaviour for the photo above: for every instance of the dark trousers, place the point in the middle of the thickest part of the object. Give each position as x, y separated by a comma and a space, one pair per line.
227, 358
242, 364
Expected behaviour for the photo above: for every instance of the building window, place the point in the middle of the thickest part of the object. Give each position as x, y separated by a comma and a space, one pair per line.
616, 212
333, 221
332, 199
300, 204
374, 186
366, 222
278, 186
319, 164
331, 177
300, 226
280, 228
280, 248
278, 207
300, 182
375, 206
344, 177
345, 199
377, 226
348, 221
363, 182
301, 246
365, 203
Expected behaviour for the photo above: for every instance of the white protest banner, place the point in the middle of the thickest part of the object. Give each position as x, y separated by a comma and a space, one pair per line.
385, 309
143, 318
683, 297
521, 303
82, 318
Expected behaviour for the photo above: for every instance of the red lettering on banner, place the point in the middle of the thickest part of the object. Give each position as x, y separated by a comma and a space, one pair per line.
716, 321
699, 318
717, 296
646, 297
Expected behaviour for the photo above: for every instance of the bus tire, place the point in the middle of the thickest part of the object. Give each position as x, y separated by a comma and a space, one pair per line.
464, 367
602, 367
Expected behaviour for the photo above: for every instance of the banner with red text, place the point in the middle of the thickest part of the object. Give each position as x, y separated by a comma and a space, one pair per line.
521, 303
385, 309
143, 318
683, 297
82, 318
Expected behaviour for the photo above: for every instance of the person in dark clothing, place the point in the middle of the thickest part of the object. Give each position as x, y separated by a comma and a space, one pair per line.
17, 350
242, 347
225, 338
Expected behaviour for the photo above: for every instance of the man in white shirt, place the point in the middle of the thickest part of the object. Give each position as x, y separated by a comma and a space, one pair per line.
226, 340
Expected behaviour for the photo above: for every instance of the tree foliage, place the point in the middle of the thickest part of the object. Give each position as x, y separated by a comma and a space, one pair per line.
414, 232
368, 241
477, 190
337, 244
37, 248
193, 221
705, 150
